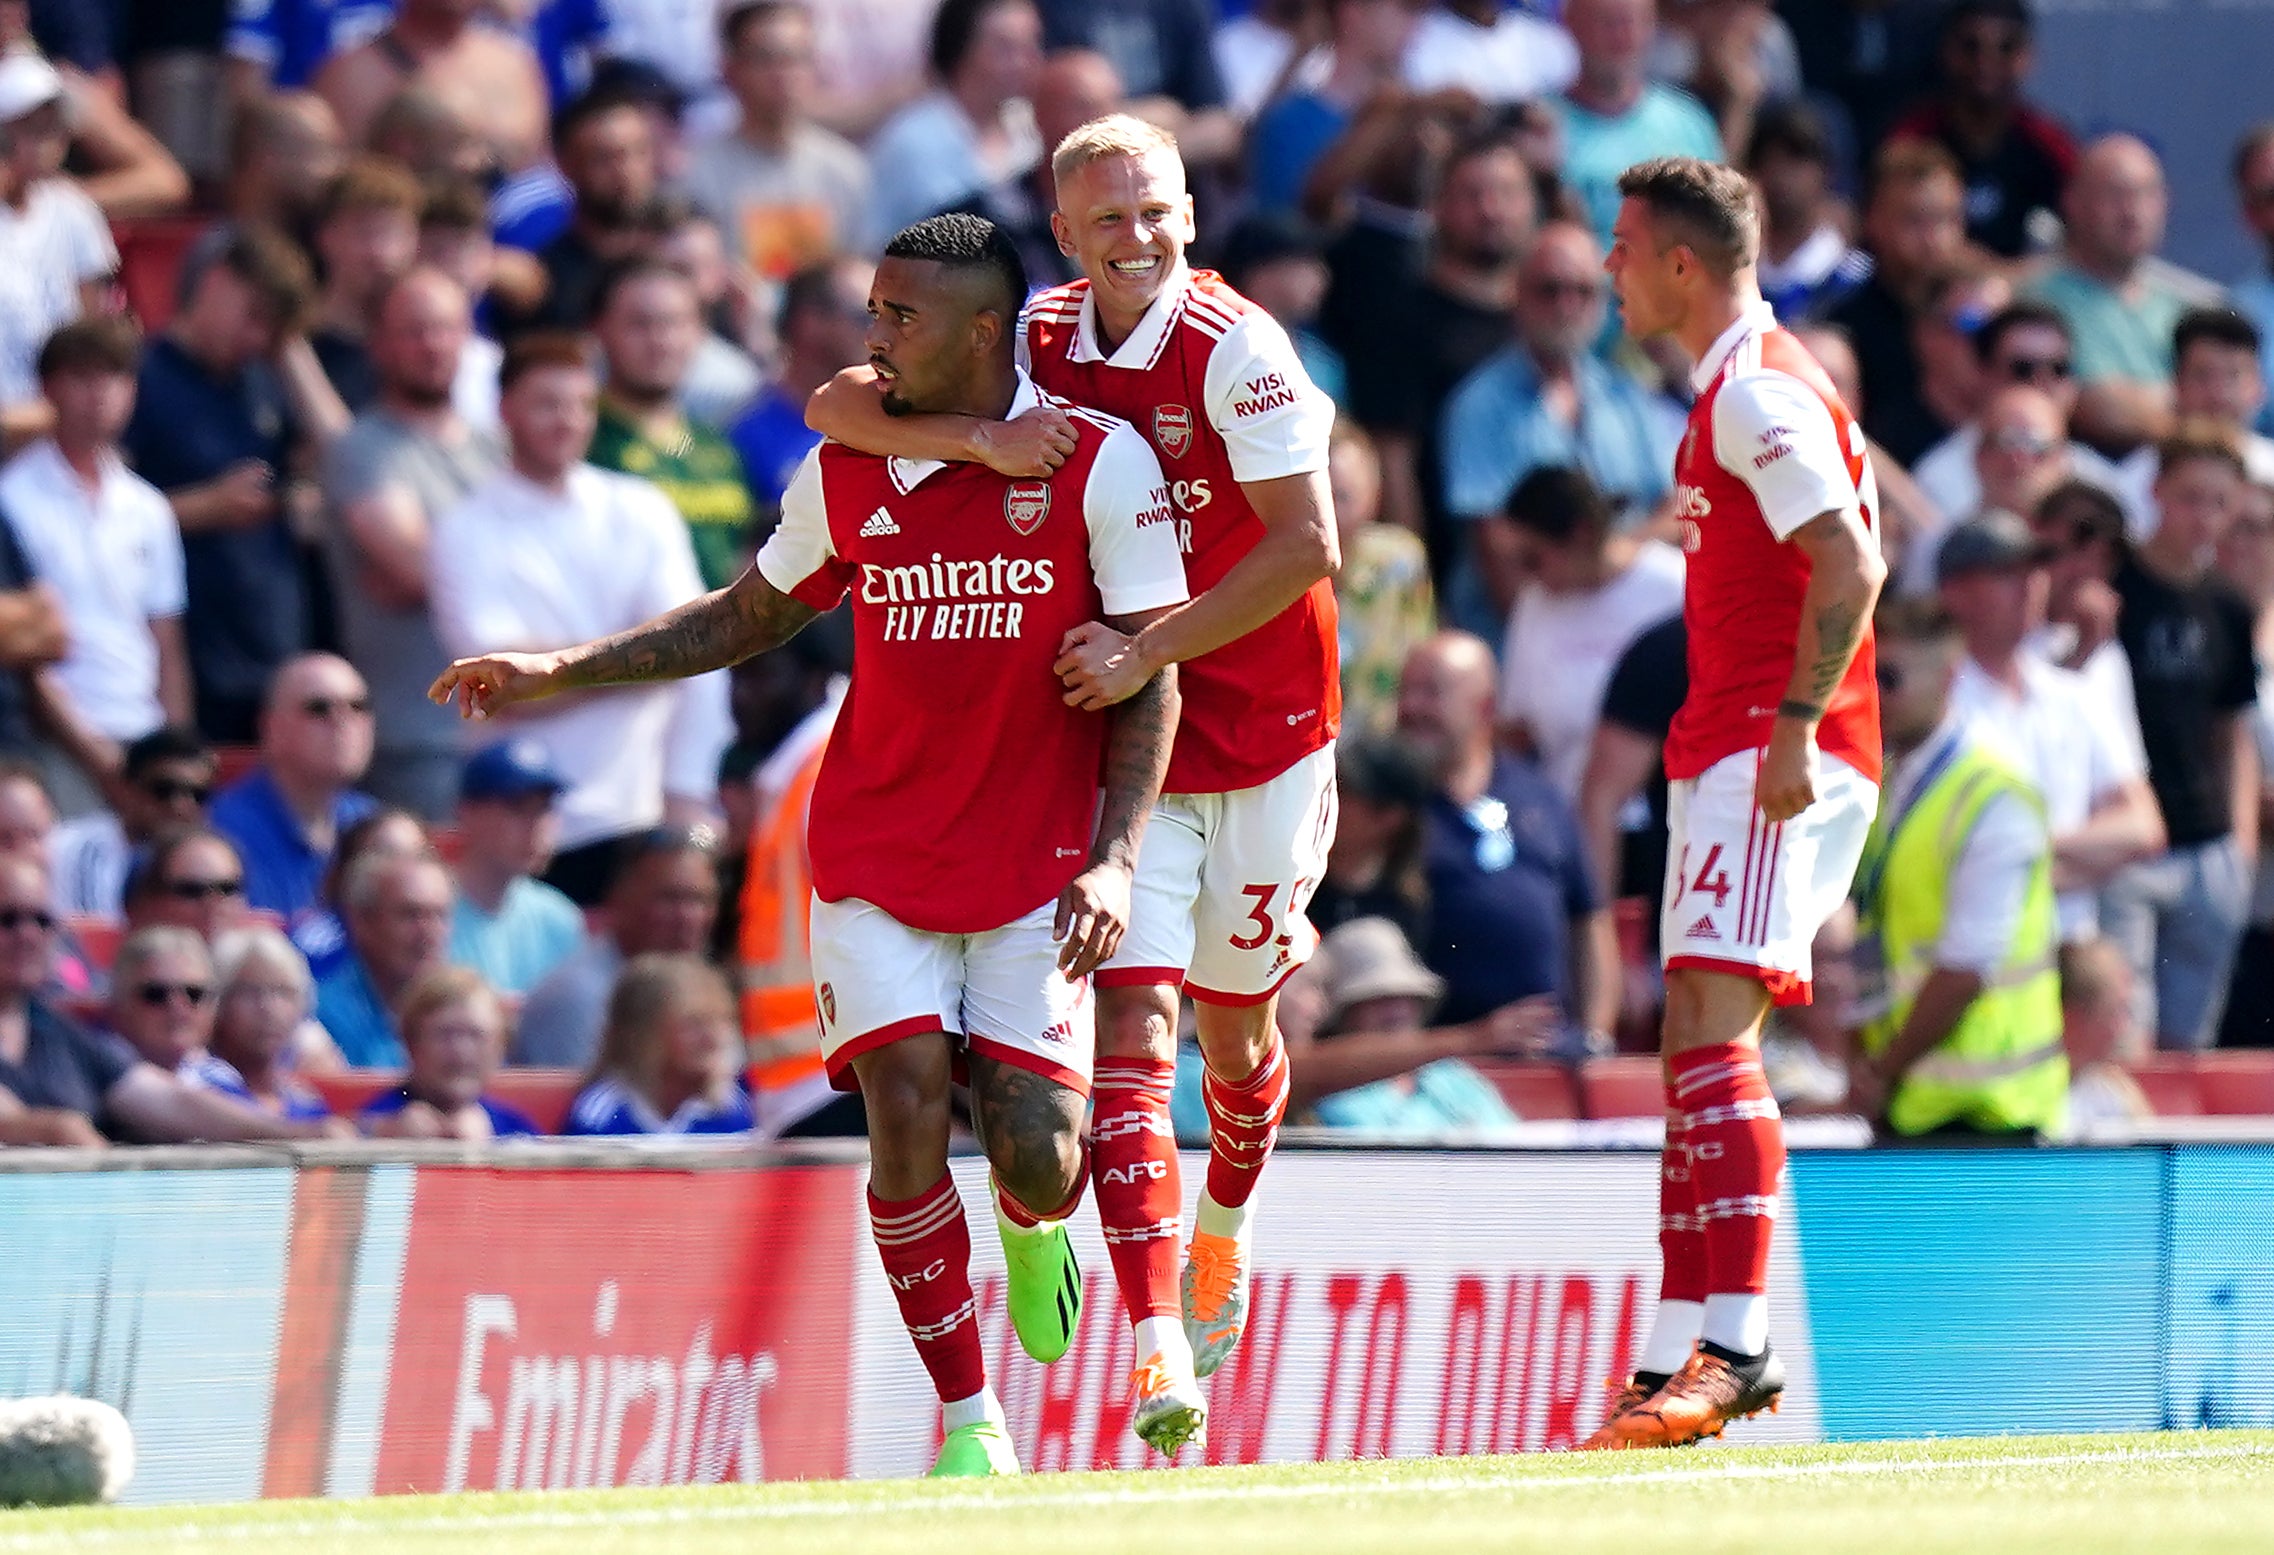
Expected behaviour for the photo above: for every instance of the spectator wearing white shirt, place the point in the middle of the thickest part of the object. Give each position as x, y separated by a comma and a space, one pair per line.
2020, 455
2086, 766
2214, 379
2025, 342
552, 551
1493, 49
105, 540
1590, 591
56, 254
976, 128
166, 782
2081, 528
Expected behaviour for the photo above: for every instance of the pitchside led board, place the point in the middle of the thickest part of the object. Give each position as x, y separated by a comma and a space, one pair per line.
349, 1331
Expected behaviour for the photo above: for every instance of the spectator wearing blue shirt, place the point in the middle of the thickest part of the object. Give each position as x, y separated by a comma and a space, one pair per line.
283, 43
223, 397
285, 816
1546, 400
454, 1032
398, 928
263, 996
1515, 911
1294, 131
509, 927
320, 933
1614, 115
1807, 263
670, 1058
823, 328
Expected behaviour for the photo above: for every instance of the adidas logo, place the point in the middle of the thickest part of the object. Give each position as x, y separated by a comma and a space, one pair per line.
879, 523
1703, 929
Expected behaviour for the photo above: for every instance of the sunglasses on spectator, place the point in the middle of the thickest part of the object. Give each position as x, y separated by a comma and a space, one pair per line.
2021, 443
2028, 369
324, 707
26, 917
172, 790
200, 890
155, 994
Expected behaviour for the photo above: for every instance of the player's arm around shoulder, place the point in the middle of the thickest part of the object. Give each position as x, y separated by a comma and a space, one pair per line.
849, 409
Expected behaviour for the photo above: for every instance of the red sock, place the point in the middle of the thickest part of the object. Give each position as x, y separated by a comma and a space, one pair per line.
1736, 1140
926, 1248
1681, 1235
1140, 1200
1019, 1215
1243, 1121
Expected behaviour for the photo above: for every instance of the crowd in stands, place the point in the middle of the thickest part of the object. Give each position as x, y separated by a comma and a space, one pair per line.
340, 337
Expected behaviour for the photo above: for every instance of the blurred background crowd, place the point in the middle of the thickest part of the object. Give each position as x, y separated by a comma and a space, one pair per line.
267, 265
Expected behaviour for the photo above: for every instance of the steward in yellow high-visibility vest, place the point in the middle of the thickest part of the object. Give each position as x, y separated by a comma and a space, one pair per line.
1961, 1011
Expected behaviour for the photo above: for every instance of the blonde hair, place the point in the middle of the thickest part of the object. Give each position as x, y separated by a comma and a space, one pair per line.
1115, 135
437, 989
650, 990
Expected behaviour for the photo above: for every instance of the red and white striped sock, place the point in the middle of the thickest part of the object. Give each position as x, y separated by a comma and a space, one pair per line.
1134, 1172
926, 1248
1243, 1122
1682, 1286
1021, 1218
1736, 1148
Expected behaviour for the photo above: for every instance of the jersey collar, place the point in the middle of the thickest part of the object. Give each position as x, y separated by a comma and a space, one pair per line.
1145, 343
908, 474
1757, 319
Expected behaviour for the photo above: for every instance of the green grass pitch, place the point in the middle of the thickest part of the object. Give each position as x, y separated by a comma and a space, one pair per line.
2075, 1495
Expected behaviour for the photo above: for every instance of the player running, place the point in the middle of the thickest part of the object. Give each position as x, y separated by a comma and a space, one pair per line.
1774, 762
1240, 841
967, 878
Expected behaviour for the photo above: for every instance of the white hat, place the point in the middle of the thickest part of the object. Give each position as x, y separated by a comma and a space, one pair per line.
1367, 958
27, 82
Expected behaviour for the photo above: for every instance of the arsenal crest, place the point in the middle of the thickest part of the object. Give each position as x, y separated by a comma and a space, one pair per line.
1172, 429
828, 1005
1026, 505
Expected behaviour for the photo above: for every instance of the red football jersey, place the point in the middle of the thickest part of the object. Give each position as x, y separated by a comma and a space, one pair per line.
1214, 382
959, 791
1769, 447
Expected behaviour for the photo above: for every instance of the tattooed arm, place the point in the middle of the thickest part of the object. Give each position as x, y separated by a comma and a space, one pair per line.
724, 627
1094, 910
1844, 575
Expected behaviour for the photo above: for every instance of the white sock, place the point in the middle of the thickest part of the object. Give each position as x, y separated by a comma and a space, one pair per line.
1164, 1337
1216, 1220
1005, 1223
1673, 1334
982, 1405
1738, 1322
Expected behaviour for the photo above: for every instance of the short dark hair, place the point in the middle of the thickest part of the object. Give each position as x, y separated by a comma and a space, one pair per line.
2253, 142
1491, 141
167, 742
268, 262
537, 349
811, 290
2213, 326
454, 204
1792, 127
580, 111
106, 343
666, 840
955, 25
2199, 439
1559, 503
965, 242
1905, 162
1712, 209
2091, 511
630, 272
1918, 618
735, 19
2012, 12
2028, 313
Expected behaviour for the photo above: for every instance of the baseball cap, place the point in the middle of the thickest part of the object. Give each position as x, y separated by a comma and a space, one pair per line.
1990, 542
26, 82
512, 769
